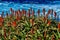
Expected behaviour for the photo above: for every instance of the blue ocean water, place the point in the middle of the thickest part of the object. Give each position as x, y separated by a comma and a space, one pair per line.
5, 6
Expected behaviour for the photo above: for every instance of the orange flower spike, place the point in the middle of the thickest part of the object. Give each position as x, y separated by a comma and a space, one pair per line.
14, 24
55, 14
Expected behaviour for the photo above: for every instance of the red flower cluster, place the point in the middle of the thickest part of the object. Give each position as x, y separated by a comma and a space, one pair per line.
14, 24
58, 25
1, 21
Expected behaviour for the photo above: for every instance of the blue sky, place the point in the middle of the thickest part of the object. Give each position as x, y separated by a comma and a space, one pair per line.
33, 1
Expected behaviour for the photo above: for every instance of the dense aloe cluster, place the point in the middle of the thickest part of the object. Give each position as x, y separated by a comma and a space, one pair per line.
25, 25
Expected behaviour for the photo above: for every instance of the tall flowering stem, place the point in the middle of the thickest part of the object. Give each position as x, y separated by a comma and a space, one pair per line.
10, 16
7, 14
12, 11
38, 12
25, 13
17, 15
52, 13
55, 14
33, 13
20, 14
49, 12
29, 13
44, 11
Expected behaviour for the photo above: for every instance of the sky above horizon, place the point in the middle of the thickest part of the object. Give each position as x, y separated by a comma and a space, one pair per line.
33, 1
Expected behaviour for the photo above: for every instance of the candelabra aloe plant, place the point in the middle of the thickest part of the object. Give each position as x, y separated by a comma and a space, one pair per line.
20, 25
